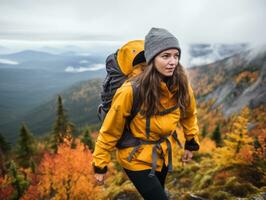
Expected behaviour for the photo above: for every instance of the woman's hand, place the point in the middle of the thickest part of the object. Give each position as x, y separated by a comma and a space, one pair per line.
99, 178
186, 157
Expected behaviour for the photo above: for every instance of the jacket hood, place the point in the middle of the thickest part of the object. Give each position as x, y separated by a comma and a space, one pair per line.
130, 55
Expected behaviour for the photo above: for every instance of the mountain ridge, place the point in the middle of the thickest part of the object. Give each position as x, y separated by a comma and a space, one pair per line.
248, 67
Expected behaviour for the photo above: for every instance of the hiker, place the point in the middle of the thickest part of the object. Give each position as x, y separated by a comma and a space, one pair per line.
163, 98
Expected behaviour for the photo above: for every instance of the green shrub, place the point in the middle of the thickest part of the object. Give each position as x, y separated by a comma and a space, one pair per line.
185, 182
221, 195
205, 181
240, 190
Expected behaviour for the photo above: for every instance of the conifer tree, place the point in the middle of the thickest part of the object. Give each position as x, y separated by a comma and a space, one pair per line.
87, 140
258, 151
4, 150
73, 143
19, 181
256, 143
216, 136
239, 137
25, 147
4, 145
2, 164
62, 128
236, 141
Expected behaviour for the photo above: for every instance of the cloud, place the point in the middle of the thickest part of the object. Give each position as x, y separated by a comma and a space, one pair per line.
80, 69
8, 62
191, 21
83, 62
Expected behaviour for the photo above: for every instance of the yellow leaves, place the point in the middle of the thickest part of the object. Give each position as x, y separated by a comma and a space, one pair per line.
222, 156
207, 145
6, 188
238, 143
6, 180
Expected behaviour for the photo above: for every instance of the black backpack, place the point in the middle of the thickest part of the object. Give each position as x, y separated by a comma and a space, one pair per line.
114, 79
117, 75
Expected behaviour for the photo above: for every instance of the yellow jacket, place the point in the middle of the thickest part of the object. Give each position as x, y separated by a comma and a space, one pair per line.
113, 125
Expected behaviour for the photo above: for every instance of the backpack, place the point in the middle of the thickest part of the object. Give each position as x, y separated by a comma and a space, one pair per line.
119, 67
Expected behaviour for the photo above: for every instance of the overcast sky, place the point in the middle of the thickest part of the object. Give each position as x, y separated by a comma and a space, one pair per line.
119, 20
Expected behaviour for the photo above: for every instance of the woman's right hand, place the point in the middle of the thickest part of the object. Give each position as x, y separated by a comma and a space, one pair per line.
99, 178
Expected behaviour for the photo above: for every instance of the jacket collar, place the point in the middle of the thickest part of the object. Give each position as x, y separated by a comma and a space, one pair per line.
166, 92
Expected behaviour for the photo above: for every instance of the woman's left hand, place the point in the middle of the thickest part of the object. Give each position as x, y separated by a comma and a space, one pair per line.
187, 156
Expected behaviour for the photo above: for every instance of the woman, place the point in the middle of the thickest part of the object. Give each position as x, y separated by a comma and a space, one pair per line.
166, 99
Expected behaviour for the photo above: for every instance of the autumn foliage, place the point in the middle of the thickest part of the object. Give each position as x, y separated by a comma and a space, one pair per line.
6, 188
238, 144
65, 175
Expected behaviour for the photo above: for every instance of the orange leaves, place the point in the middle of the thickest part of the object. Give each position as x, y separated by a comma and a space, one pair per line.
222, 175
207, 145
6, 188
245, 154
67, 174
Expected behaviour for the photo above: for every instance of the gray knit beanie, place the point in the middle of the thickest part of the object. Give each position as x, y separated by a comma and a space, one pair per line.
158, 40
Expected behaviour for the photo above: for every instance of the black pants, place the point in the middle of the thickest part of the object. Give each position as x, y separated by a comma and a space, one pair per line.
150, 188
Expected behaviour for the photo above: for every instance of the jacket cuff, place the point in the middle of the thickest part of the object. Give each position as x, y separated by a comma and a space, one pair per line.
99, 170
191, 145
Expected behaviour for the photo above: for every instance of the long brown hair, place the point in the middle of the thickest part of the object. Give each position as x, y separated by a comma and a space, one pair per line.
149, 92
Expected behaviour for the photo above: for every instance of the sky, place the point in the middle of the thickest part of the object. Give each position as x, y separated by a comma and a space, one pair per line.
113, 22
108, 20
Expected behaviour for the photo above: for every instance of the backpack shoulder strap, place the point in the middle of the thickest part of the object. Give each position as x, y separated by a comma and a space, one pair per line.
136, 105
127, 139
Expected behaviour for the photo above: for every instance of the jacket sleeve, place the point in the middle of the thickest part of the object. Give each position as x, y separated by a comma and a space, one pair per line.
112, 128
189, 124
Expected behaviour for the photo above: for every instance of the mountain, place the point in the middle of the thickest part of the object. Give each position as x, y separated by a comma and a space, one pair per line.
202, 54
27, 55
80, 101
23, 89
233, 82
4, 50
30, 78
32, 59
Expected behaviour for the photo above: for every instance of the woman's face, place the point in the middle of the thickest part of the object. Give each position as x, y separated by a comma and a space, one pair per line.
166, 61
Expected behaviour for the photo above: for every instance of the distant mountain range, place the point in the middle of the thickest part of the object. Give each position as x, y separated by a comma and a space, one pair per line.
30, 78
38, 60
